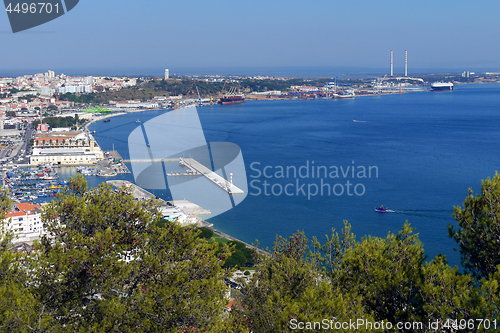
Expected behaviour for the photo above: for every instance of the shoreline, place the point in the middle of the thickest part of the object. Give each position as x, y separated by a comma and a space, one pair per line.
261, 97
96, 119
146, 193
140, 193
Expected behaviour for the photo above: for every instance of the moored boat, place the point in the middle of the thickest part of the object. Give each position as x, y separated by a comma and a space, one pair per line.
439, 86
232, 99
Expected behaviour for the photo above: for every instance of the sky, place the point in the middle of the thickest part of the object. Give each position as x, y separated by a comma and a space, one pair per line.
353, 35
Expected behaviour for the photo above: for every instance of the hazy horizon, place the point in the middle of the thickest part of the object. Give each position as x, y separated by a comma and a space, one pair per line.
278, 71
129, 35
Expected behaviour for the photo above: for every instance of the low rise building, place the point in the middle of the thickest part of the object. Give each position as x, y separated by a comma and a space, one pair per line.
65, 148
42, 128
25, 221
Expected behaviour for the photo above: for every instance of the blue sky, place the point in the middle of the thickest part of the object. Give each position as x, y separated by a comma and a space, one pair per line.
206, 34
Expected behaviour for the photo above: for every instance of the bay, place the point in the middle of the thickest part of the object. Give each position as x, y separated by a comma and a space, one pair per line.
428, 148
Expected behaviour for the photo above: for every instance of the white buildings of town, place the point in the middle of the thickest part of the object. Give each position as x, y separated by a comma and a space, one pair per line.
25, 221
65, 148
31, 91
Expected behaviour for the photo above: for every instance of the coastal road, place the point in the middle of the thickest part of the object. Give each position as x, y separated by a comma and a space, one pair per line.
22, 151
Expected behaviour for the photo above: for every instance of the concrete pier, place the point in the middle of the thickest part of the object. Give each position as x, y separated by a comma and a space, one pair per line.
196, 169
212, 176
153, 160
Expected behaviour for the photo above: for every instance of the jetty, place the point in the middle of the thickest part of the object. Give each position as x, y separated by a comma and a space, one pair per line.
195, 168
153, 160
198, 168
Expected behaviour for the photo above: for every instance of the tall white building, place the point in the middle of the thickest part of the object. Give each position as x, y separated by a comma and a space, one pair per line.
166, 74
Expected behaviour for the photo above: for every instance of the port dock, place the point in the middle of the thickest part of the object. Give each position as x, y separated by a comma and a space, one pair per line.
111, 165
195, 168
198, 168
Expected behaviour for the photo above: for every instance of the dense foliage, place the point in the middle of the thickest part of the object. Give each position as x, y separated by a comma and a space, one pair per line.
55, 122
112, 265
479, 233
110, 268
205, 233
241, 256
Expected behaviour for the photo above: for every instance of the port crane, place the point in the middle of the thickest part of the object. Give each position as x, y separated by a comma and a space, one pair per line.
232, 90
377, 84
338, 82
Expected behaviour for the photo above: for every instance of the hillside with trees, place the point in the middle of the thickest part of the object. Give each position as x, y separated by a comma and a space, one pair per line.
187, 87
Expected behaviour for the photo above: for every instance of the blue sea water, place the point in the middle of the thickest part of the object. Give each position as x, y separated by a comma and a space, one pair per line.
425, 149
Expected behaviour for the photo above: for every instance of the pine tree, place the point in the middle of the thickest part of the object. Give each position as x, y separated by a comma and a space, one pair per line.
108, 267
478, 235
287, 290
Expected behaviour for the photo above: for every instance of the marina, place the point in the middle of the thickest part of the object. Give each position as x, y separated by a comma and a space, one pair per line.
30, 184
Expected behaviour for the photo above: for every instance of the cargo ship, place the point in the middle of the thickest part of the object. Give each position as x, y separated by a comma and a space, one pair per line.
232, 99
438, 86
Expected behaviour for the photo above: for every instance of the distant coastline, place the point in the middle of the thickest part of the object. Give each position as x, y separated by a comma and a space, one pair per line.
278, 71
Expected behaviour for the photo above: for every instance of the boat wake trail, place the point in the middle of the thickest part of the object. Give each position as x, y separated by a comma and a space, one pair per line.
442, 214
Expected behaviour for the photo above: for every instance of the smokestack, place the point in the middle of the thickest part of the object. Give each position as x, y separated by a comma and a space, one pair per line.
392, 66
406, 63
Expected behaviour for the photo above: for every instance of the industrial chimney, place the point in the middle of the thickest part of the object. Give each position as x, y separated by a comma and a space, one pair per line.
392, 66
406, 63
